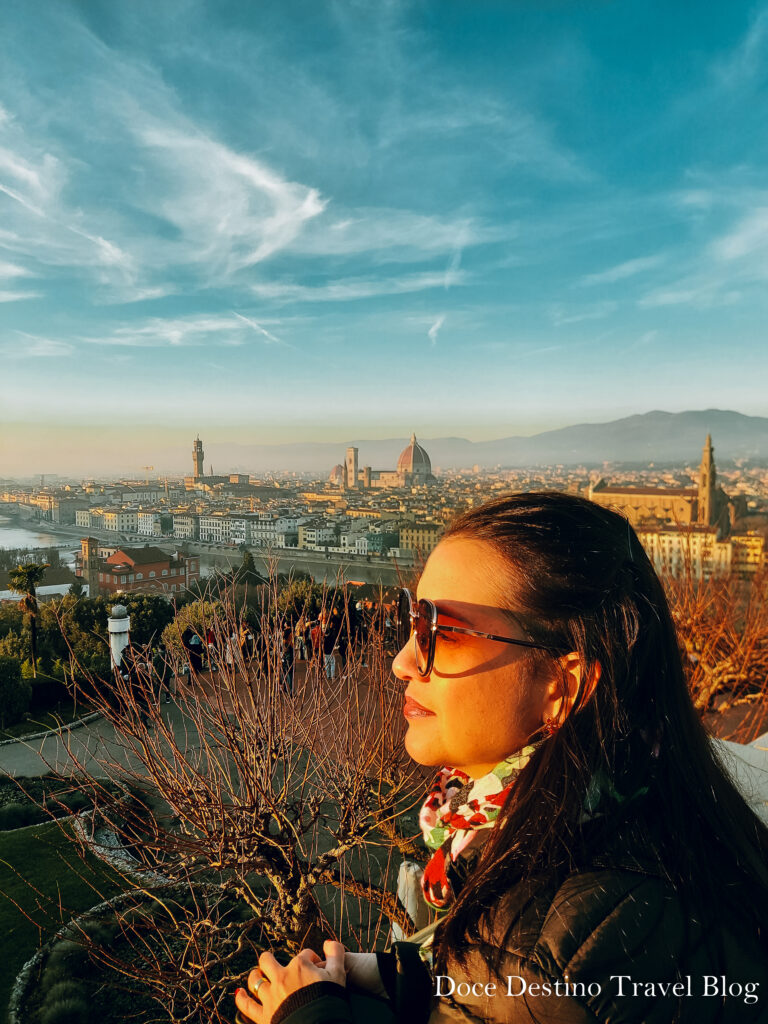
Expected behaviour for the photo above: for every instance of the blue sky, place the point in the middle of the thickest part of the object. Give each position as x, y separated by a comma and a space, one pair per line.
301, 219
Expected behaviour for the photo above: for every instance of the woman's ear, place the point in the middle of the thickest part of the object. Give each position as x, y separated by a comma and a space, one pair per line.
571, 684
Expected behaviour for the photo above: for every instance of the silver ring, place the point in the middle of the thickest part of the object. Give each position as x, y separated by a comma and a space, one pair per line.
256, 988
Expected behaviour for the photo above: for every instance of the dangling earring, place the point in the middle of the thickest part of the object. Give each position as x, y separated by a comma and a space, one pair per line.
550, 727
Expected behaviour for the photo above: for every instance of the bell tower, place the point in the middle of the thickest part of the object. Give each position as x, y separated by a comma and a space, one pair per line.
707, 477
350, 464
89, 548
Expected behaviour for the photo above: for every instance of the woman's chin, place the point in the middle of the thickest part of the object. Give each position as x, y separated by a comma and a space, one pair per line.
420, 746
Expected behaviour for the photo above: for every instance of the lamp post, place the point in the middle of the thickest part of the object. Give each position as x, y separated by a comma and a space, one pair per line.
119, 628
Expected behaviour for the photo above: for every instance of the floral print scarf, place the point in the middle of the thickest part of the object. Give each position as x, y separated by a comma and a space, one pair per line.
455, 820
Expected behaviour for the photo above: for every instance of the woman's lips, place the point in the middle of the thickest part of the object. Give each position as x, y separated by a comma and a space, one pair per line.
412, 709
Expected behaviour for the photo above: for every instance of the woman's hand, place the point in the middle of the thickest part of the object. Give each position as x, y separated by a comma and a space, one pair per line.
363, 973
269, 984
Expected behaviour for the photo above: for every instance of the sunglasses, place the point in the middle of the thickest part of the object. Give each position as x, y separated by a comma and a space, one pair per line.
419, 619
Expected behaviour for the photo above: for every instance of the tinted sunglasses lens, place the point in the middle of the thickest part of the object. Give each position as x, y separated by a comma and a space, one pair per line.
403, 618
422, 628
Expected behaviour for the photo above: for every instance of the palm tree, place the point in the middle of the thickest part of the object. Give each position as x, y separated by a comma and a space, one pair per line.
23, 580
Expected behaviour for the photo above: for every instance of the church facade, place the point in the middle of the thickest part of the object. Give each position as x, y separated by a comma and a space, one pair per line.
703, 505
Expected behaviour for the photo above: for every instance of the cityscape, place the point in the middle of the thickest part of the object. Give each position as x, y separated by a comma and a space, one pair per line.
370, 523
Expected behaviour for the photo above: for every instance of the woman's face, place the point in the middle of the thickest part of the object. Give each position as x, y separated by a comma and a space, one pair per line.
478, 704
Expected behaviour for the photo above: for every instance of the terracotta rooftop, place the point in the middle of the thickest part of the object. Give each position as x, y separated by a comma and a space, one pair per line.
141, 556
675, 492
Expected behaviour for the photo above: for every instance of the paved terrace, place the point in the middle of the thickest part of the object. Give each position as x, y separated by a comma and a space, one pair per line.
97, 744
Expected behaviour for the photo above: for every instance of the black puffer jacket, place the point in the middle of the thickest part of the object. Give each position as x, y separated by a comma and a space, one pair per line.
611, 945
607, 945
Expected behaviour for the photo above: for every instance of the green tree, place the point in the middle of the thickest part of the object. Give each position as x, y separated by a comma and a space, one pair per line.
200, 615
11, 646
11, 618
79, 623
77, 588
24, 580
302, 596
15, 692
150, 614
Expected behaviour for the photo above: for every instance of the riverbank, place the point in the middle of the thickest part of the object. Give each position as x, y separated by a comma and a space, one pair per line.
222, 557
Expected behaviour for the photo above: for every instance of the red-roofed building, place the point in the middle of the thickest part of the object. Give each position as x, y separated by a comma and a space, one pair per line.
147, 570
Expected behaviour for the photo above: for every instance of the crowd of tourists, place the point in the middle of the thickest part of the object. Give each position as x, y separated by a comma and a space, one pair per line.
325, 643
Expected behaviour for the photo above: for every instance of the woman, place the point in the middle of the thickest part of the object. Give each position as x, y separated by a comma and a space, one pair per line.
592, 859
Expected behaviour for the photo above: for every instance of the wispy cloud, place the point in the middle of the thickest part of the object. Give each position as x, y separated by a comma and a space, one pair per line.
734, 260
520, 136
747, 60
747, 237
259, 329
180, 201
24, 172
353, 288
31, 346
452, 270
17, 197
561, 316
11, 270
628, 268
232, 210
701, 291
391, 234
192, 332
8, 295
434, 330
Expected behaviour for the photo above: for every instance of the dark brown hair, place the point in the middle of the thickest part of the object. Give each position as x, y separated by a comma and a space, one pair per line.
582, 582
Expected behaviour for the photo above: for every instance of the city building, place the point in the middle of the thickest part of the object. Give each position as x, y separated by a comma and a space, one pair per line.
315, 535
90, 518
127, 570
694, 549
420, 537
154, 524
121, 520
216, 527
186, 526
748, 555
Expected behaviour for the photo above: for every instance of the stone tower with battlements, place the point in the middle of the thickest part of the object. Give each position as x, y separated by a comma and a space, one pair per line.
197, 459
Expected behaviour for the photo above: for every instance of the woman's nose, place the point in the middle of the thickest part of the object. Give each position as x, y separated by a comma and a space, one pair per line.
403, 665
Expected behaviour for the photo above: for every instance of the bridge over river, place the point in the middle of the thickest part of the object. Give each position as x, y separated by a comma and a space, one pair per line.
344, 568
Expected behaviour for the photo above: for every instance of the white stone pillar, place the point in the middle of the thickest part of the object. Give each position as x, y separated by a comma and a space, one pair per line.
119, 628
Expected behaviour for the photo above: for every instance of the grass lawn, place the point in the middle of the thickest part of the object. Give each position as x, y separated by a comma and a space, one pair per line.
41, 858
41, 721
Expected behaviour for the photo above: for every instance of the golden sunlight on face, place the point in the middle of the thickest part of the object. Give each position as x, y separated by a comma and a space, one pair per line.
477, 705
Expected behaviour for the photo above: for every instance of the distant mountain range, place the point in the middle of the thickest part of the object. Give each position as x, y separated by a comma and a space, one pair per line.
661, 437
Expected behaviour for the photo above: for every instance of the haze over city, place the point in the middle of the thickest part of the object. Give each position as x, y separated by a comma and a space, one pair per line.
286, 222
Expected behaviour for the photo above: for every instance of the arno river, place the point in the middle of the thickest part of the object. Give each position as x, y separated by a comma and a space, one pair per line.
14, 536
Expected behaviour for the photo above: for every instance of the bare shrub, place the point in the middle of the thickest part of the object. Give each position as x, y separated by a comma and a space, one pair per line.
275, 818
722, 623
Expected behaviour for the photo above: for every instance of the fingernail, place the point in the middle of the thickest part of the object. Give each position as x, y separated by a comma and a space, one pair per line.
238, 991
